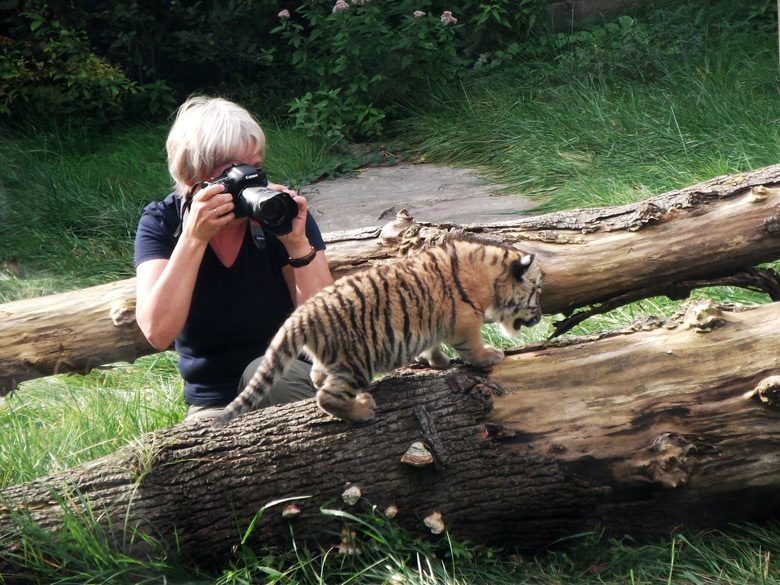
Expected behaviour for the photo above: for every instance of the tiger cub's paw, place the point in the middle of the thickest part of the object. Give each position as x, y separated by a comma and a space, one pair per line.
434, 358
489, 356
363, 408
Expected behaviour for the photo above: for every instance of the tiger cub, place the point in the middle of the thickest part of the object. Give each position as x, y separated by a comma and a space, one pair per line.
379, 319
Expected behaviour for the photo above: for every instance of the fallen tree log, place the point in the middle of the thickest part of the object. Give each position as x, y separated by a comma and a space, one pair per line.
640, 431
666, 245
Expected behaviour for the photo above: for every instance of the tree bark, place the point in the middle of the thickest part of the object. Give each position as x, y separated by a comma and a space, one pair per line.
639, 431
705, 234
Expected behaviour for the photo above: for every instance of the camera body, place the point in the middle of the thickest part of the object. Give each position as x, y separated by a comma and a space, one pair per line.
274, 210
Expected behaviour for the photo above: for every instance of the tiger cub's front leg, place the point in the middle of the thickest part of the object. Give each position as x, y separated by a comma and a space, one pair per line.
468, 344
341, 398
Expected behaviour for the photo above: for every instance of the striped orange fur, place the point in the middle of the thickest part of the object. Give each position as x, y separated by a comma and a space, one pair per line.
384, 317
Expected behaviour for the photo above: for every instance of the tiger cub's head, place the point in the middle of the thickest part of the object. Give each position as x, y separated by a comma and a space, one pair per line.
516, 294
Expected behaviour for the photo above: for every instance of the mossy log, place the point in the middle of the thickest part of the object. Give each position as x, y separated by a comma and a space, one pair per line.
710, 233
640, 431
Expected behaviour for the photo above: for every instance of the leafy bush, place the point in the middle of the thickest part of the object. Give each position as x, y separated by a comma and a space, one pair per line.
358, 61
657, 40
342, 70
626, 48
54, 71
194, 46
500, 24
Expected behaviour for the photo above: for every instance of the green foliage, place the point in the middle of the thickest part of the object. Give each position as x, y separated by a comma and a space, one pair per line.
363, 63
359, 61
49, 70
152, 98
343, 74
192, 45
632, 48
493, 27
657, 41
53, 72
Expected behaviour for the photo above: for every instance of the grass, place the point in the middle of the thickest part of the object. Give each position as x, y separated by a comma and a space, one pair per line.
70, 199
577, 135
43, 427
87, 552
744, 555
663, 101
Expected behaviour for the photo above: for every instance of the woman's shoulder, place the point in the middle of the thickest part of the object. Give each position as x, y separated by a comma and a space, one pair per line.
164, 209
162, 214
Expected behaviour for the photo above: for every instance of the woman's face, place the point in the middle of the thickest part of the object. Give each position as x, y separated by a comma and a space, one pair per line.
248, 157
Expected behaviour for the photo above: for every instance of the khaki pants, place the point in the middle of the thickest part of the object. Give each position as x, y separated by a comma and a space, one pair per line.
293, 386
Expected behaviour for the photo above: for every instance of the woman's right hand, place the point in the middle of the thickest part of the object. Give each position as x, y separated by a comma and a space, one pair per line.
210, 211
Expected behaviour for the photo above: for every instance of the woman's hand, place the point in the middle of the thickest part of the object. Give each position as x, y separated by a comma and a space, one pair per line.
210, 211
296, 242
302, 282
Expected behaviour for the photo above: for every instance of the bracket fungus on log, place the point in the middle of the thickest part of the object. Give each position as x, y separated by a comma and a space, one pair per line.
351, 495
291, 511
417, 455
435, 523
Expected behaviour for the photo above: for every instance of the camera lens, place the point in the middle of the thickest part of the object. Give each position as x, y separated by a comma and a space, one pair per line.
275, 210
272, 211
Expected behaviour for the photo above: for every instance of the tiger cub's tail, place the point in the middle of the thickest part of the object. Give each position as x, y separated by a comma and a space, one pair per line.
282, 351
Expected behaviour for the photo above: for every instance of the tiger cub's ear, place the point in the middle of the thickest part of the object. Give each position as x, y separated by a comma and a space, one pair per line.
520, 267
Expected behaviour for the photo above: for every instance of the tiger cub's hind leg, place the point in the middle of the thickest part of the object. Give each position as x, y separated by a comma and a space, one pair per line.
434, 357
343, 399
318, 373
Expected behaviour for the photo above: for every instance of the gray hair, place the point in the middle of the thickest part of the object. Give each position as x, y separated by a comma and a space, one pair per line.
209, 132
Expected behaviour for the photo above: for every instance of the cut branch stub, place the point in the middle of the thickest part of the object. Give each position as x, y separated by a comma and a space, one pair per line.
669, 460
703, 315
768, 391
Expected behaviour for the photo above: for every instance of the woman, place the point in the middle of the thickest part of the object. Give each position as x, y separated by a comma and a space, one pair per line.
211, 283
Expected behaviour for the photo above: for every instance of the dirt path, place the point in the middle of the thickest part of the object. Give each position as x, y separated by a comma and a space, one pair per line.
429, 193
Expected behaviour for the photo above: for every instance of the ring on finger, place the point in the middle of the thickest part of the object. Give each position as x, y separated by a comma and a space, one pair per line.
216, 213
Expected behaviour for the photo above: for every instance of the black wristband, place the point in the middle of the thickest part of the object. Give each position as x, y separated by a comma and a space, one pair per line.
305, 261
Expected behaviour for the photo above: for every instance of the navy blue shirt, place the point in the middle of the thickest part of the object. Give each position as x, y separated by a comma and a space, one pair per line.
234, 312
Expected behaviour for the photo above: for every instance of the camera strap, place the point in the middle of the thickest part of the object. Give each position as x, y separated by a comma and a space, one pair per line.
258, 235
186, 203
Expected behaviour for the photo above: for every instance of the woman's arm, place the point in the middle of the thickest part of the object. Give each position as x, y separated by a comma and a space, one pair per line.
163, 294
164, 286
303, 281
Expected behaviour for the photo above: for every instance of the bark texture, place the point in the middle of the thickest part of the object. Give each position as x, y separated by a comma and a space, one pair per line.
640, 431
708, 233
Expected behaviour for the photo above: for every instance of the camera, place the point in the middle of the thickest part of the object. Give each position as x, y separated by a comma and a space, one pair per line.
274, 210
